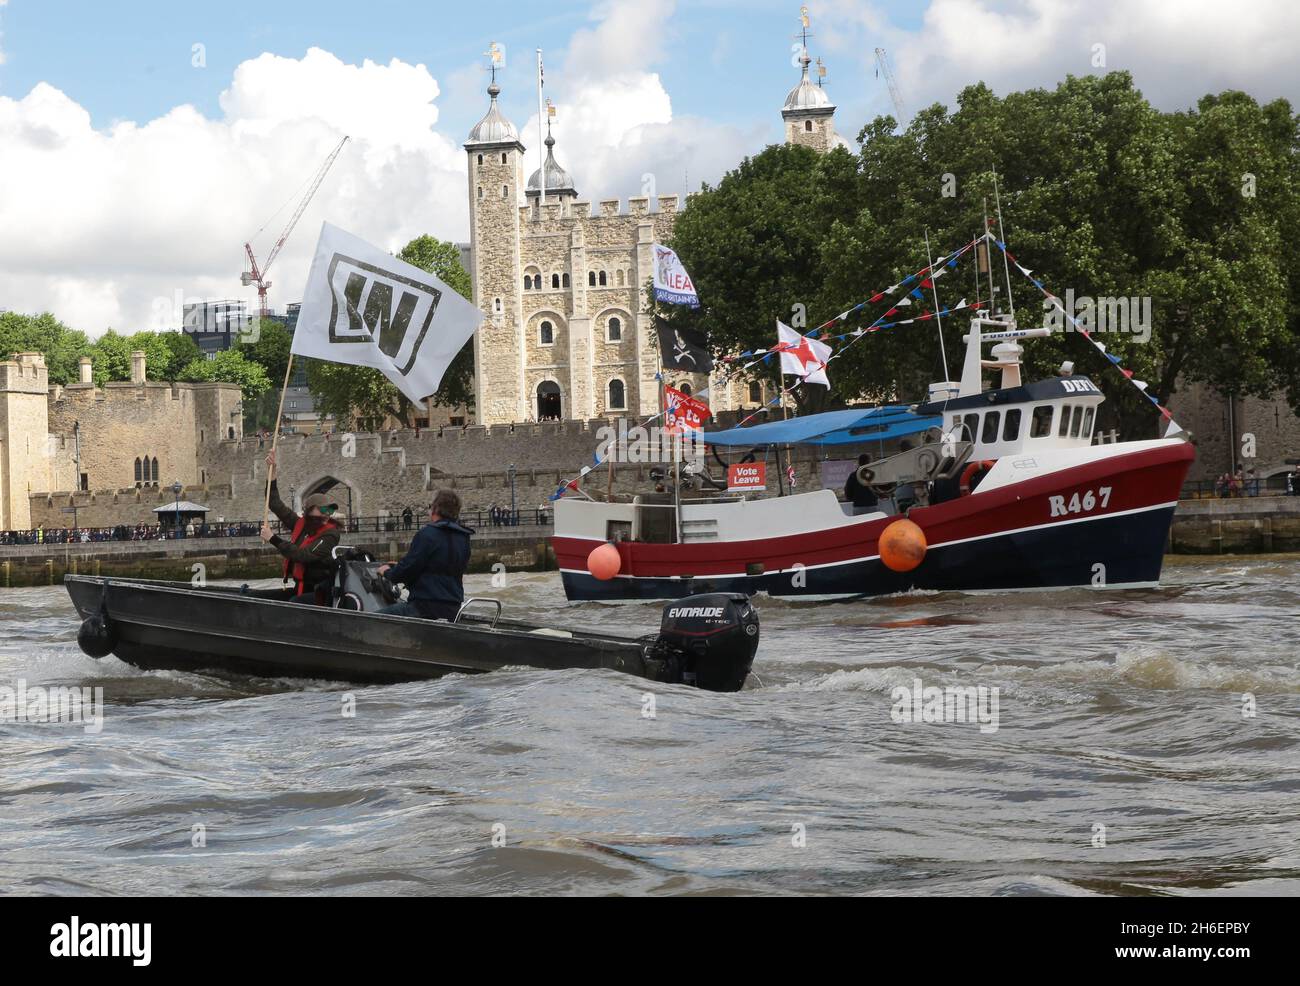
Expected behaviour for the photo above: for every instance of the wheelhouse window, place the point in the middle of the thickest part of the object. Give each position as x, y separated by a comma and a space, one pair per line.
970, 427
991, 421
1077, 422
1011, 429
546, 333
1087, 423
1041, 424
1064, 430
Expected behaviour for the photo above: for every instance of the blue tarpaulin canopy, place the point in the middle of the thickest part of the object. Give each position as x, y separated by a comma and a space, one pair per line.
850, 427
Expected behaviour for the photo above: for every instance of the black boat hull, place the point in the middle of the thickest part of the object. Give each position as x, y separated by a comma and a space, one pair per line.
176, 626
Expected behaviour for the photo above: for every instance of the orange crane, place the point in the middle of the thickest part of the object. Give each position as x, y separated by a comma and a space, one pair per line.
257, 275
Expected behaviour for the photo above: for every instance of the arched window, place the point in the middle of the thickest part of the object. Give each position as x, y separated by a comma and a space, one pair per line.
549, 407
602, 279
503, 157
807, 126
619, 278
232, 432
614, 329
546, 333
532, 279
480, 191
755, 391
555, 280
480, 159
505, 191
685, 388
564, 280
138, 472
155, 470
591, 278
617, 396
497, 306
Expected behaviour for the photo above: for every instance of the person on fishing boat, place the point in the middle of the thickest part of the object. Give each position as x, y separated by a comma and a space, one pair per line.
308, 558
434, 567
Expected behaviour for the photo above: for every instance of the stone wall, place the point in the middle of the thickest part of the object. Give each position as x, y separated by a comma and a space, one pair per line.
25, 462
1224, 436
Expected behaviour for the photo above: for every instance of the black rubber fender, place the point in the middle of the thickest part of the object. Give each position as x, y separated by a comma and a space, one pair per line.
96, 637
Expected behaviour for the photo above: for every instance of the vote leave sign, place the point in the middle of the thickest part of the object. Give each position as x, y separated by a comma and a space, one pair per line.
746, 477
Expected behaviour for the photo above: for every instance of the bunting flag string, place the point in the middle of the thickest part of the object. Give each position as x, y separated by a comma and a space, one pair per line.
1141, 385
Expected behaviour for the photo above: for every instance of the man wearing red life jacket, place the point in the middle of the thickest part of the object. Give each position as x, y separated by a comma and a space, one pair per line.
307, 552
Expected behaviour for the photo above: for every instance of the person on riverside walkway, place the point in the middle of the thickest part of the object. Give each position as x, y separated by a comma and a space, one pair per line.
308, 558
435, 564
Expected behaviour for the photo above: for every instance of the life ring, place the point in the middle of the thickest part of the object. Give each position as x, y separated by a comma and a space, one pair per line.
963, 485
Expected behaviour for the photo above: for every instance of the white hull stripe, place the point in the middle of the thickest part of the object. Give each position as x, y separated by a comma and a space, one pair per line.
865, 558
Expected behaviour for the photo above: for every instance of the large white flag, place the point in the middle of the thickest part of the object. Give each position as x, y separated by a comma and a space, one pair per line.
364, 306
671, 282
804, 357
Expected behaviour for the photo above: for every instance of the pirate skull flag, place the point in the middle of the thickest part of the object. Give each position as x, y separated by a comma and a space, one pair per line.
365, 307
683, 349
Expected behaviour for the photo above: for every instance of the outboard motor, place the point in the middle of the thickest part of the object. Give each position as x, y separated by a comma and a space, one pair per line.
707, 640
358, 584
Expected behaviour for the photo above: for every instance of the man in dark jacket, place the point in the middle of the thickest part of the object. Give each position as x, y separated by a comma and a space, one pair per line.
308, 551
434, 565
862, 498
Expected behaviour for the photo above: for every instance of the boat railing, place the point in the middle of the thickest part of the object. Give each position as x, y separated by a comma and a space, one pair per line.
479, 599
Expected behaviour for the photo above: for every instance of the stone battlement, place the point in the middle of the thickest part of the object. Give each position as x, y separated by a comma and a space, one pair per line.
26, 374
579, 210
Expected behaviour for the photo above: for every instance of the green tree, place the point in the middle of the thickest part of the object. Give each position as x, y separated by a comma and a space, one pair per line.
111, 354
361, 396
230, 366
1101, 193
182, 351
62, 347
269, 344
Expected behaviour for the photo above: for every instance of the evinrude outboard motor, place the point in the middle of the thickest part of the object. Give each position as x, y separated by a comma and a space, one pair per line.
707, 640
358, 584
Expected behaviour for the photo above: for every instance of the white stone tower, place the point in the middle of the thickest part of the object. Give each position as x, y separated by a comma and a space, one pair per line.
809, 113
24, 437
495, 184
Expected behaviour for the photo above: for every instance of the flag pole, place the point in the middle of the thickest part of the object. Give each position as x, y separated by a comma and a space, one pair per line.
541, 144
275, 437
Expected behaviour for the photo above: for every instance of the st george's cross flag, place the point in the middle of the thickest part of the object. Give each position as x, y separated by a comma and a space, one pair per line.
365, 307
802, 356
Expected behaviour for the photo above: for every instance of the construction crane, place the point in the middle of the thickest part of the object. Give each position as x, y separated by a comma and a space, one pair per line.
257, 275
882, 68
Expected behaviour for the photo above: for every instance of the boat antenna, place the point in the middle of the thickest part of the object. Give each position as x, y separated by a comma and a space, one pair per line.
929, 259
997, 200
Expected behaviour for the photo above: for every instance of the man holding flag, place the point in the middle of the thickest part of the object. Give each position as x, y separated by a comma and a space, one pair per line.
364, 307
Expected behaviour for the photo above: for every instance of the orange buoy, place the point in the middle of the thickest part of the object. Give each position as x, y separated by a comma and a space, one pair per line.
604, 561
902, 545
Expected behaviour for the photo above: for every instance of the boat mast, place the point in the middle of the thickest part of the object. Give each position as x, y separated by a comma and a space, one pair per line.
997, 199
988, 262
929, 259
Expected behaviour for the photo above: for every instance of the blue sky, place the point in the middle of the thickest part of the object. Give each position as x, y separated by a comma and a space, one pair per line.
726, 60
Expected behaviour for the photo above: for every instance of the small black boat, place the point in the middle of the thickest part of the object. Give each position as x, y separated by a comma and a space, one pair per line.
707, 641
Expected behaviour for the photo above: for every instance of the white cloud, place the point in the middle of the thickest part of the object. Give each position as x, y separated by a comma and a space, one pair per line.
615, 130
102, 224
1176, 50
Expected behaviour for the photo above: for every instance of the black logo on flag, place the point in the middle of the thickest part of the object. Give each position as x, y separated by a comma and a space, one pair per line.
370, 304
683, 349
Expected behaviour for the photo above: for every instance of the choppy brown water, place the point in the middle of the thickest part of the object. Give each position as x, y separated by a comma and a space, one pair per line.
1122, 710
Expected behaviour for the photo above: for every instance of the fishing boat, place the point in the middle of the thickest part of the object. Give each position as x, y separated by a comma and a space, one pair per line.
708, 642
1004, 487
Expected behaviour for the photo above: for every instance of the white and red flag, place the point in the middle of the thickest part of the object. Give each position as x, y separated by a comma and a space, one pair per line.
805, 358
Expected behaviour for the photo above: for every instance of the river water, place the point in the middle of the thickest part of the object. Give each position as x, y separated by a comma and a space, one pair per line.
1125, 759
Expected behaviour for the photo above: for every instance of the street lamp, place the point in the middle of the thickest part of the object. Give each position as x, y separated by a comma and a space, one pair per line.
176, 491
514, 514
